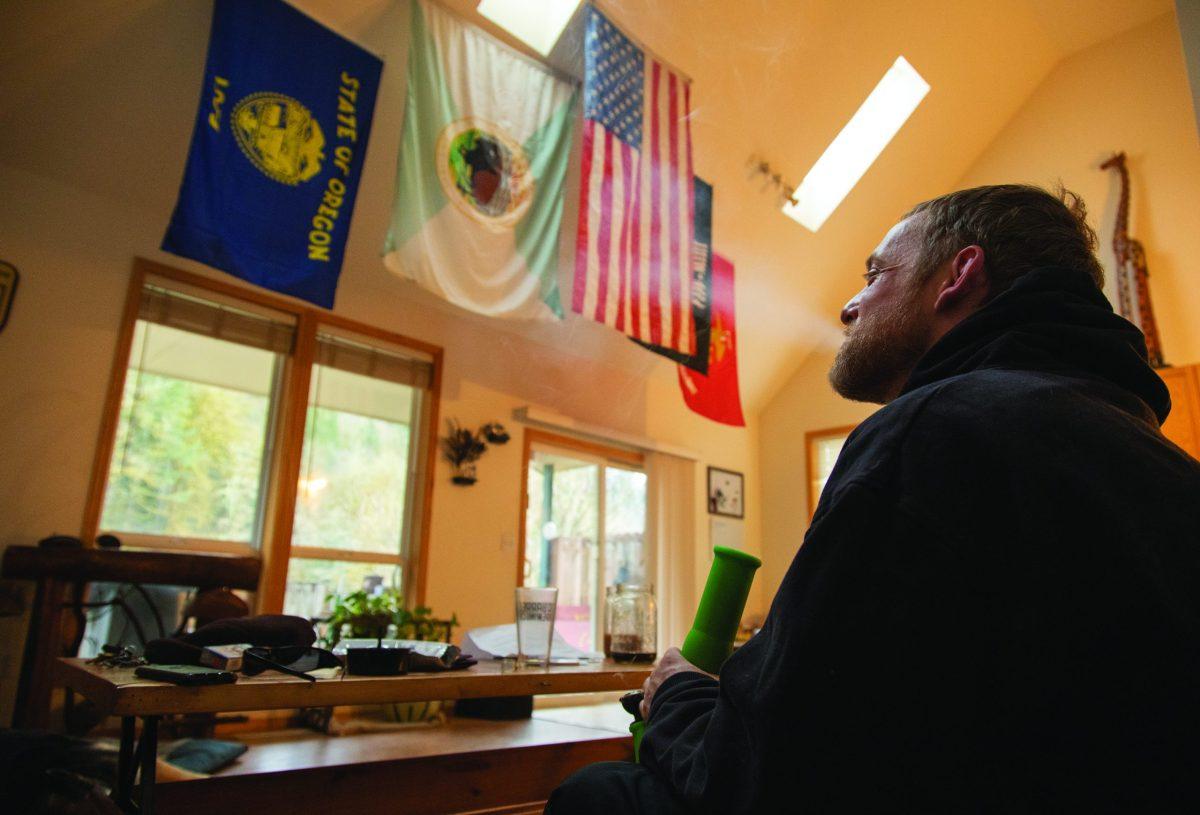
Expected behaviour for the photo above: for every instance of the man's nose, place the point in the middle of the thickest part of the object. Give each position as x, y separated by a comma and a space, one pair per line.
850, 311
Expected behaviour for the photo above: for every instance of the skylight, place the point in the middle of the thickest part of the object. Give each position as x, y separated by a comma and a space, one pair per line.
858, 145
538, 24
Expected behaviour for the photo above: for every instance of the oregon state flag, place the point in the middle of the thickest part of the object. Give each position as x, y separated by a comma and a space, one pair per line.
277, 151
716, 396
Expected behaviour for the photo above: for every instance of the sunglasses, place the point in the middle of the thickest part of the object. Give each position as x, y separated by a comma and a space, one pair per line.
293, 660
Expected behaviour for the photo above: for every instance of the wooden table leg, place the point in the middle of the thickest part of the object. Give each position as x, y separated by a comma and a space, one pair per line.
123, 792
149, 754
42, 645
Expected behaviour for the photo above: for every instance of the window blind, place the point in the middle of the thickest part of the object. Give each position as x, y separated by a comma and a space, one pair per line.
356, 358
189, 313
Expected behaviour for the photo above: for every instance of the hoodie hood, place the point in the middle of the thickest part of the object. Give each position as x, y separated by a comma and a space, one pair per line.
1052, 320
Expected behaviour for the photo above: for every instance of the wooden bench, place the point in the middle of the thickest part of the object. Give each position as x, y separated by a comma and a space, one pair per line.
463, 766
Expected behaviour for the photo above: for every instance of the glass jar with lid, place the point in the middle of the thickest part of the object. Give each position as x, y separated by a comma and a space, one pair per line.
631, 623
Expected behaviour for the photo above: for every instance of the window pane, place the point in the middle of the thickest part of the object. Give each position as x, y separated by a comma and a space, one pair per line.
537, 547
354, 469
310, 581
188, 458
124, 616
625, 527
563, 552
826, 450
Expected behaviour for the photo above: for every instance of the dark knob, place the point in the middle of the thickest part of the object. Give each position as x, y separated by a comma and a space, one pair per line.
632, 702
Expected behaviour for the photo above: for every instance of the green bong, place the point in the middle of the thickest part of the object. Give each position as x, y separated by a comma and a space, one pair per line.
710, 642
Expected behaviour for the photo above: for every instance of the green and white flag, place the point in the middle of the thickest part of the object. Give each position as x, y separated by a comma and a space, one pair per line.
483, 162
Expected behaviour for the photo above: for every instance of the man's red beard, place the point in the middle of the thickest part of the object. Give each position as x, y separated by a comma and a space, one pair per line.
880, 352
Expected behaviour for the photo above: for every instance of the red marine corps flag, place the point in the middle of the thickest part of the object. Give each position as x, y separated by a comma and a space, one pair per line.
716, 396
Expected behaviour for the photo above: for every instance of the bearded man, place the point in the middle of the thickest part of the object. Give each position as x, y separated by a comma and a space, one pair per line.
996, 607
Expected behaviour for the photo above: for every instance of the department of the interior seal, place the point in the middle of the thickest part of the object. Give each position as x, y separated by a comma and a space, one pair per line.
279, 136
484, 172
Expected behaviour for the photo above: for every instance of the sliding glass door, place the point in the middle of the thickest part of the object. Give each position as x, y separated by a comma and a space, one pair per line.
585, 528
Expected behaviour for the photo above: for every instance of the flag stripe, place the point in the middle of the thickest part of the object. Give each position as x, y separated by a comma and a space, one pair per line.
611, 300
581, 246
623, 251
673, 205
604, 235
595, 215
655, 212
664, 234
691, 204
636, 289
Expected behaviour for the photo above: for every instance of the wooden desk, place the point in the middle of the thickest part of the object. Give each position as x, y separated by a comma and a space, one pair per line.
118, 692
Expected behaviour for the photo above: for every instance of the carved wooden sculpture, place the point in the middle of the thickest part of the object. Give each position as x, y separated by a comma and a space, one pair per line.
1133, 289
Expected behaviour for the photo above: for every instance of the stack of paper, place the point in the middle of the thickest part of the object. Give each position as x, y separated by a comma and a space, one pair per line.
499, 641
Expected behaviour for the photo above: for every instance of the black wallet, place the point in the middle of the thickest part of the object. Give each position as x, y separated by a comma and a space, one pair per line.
186, 674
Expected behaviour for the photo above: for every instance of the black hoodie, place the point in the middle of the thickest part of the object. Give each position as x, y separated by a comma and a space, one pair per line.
996, 607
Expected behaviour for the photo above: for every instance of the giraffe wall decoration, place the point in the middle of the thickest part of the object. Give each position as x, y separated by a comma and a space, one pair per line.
1133, 288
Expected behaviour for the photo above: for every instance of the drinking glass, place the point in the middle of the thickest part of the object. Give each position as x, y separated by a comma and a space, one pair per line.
535, 625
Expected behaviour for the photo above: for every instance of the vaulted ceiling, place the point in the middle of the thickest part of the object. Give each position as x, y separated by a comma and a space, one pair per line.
772, 78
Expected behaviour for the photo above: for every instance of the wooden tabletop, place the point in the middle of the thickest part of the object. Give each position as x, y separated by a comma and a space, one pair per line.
117, 691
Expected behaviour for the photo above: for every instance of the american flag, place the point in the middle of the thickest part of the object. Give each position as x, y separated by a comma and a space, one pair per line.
634, 239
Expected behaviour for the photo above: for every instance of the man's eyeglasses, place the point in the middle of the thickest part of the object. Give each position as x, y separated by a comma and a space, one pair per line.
874, 272
293, 660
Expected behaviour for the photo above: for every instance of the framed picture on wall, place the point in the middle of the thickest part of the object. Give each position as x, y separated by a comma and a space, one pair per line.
726, 493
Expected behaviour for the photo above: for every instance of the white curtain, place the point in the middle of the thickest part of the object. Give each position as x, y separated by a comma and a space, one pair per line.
671, 528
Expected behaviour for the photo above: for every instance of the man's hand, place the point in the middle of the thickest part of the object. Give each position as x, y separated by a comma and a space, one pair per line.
671, 663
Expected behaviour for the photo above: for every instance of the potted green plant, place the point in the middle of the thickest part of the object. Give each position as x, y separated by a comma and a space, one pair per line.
382, 614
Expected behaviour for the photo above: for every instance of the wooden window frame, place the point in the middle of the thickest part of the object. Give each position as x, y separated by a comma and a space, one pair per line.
286, 435
811, 463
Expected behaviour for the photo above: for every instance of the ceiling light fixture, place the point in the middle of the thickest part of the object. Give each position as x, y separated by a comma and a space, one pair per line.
858, 145
537, 24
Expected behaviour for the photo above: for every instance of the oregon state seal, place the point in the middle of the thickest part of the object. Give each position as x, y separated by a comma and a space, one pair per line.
279, 136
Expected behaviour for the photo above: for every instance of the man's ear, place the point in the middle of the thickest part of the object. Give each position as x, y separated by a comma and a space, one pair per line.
965, 283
